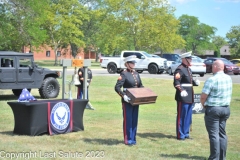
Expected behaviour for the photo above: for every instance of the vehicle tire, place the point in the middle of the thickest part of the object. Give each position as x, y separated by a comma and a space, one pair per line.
170, 71
119, 70
139, 71
235, 73
201, 75
50, 88
17, 92
112, 68
152, 69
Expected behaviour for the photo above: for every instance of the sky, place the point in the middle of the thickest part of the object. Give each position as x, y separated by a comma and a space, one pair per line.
221, 14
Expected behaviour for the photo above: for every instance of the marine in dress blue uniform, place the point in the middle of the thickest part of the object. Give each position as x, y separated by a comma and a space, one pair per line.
183, 82
129, 78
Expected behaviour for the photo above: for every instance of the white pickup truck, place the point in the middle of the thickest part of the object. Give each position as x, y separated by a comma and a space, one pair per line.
145, 61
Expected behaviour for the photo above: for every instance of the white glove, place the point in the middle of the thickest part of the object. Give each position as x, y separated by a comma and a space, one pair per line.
126, 98
184, 93
197, 82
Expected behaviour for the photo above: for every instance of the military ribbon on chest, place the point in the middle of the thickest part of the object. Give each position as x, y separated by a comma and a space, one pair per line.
135, 79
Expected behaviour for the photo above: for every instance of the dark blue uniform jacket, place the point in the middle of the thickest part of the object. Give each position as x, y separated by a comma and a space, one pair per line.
183, 76
127, 79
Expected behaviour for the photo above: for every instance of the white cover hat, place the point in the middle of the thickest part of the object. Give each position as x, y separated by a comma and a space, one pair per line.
130, 59
187, 54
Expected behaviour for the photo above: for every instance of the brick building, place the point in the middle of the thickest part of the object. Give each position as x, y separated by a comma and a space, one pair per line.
47, 53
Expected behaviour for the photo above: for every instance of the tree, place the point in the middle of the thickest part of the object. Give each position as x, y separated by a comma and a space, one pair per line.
20, 24
91, 26
140, 25
218, 42
197, 35
63, 22
233, 37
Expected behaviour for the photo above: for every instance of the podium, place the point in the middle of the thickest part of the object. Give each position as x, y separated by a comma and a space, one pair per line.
32, 118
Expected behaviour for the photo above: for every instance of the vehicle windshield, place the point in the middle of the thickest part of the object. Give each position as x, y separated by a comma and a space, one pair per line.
147, 54
196, 60
155, 56
225, 61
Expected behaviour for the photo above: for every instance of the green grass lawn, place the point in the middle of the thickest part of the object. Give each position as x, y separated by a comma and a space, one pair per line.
156, 137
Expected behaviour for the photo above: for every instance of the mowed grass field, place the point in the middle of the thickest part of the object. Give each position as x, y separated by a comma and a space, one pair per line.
102, 137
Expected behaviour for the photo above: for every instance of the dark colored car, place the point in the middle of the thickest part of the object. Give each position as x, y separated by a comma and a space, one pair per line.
229, 67
171, 57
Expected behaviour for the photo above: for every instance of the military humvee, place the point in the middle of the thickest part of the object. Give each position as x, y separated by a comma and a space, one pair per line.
19, 71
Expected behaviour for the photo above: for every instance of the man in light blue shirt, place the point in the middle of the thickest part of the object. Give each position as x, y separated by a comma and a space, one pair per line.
216, 97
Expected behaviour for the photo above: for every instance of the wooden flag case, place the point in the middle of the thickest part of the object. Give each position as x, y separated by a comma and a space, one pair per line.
141, 96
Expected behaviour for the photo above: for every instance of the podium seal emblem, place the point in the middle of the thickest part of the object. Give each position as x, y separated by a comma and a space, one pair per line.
60, 116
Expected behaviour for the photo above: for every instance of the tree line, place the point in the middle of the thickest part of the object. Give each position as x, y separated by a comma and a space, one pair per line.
107, 26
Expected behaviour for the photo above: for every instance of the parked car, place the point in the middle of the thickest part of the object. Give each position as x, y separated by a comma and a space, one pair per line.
197, 66
145, 62
199, 59
170, 57
236, 62
229, 67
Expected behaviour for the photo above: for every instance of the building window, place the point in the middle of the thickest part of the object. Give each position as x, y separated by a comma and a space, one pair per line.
47, 53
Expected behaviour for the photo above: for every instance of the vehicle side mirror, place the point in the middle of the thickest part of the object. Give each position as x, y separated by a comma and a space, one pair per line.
30, 67
142, 57
34, 65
